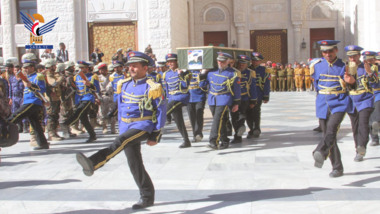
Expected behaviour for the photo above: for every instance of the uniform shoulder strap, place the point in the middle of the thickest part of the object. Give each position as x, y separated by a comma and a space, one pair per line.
238, 73
253, 72
120, 83
94, 77
40, 76
155, 89
312, 66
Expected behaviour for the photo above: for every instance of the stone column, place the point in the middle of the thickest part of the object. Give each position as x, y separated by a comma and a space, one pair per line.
297, 40
240, 29
7, 22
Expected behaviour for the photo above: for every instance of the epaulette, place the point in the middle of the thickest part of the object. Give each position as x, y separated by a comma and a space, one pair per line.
158, 77
163, 75
120, 83
40, 76
374, 68
253, 72
238, 73
75, 77
110, 78
94, 77
155, 89
312, 66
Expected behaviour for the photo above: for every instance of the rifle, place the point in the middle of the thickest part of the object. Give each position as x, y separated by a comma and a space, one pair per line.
35, 92
73, 89
93, 92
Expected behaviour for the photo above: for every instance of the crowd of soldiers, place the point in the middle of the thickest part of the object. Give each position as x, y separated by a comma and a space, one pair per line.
142, 95
290, 77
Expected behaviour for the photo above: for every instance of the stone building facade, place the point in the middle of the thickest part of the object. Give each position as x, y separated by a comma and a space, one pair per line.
283, 30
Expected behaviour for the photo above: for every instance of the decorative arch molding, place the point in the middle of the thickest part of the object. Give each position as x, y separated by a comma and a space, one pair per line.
320, 10
215, 12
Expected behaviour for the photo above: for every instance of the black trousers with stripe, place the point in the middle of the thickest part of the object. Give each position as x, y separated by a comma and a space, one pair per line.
328, 145
254, 117
81, 113
195, 111
35, 115
218, 131
238, 117
130, 142
175, 108
360, 128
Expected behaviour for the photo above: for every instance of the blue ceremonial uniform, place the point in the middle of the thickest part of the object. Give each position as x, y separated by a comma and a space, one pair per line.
142, 113
262, 83
84, 92
114, 79
16, 92
328, 81
197, 94
177, 86
248, 86
224, 87
156, 77
362, 96
38, 84
133, 103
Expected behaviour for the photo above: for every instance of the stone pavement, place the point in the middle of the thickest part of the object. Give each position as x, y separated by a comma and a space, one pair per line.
272, 174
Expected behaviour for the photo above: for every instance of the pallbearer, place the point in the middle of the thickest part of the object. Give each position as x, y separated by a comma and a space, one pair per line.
248, 97
224, 93
262, 90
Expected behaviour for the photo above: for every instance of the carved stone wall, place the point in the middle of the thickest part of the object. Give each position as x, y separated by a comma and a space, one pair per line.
112, 10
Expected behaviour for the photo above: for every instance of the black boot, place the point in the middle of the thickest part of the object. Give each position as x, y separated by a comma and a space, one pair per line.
143, 203
185, 144
237, 140
20, 128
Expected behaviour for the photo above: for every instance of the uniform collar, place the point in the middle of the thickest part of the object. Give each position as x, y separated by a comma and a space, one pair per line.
29, 75
140, 81
331, 64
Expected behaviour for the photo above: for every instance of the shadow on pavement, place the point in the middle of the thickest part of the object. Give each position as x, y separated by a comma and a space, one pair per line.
11, 184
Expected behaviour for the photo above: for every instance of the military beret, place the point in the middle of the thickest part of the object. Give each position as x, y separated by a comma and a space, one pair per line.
28, 59
171, 56
326, 45
117, 63
369, 54
102, 65
223, 56
352, 50
8, 65
82, 64
50, 63
244, 58
256, 56
135, 56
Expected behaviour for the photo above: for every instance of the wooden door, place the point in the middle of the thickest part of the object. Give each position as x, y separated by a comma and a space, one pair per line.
272, 44
217, 38
109, 37
317, 34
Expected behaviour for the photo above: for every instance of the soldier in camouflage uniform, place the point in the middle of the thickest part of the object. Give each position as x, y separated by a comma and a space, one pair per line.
282, 78
290, 77
54, 85
106, 95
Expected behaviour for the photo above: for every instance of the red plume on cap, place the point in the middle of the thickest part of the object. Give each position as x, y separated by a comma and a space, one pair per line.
256, 54
169, 55
324, 43
131, 54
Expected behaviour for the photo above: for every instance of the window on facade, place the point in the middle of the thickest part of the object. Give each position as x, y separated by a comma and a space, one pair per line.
1, 52
26, 6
